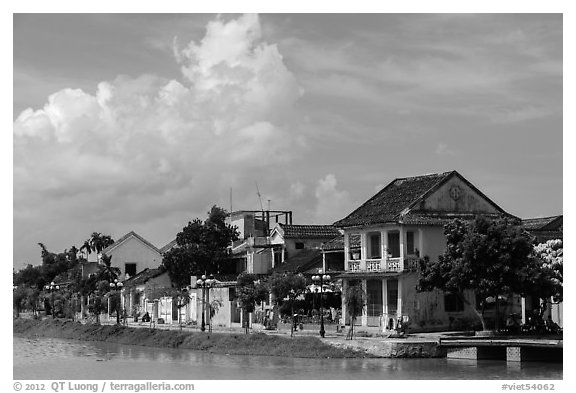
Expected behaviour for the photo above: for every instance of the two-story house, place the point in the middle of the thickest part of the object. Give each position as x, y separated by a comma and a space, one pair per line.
401, 223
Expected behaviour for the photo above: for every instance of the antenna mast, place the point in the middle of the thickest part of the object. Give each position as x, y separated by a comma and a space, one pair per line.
259, 197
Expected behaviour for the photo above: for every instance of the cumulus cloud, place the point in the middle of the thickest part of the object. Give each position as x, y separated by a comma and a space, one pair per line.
330, 202
297, 190
146, 135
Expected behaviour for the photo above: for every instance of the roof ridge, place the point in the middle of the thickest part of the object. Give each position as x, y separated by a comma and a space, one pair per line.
543, 218
425, 175
125, 237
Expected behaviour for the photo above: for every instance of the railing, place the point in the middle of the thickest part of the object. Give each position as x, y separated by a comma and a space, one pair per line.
394, 264
354, 266
373, 265
410, 263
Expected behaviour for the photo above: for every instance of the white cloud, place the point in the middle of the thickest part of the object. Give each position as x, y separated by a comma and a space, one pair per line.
297, 190
143, 135
331, 203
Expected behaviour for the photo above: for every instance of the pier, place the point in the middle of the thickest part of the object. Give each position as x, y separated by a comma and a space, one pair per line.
509, 349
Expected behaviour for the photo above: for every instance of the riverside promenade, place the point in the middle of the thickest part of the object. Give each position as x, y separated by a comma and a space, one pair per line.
417, 345
454, 345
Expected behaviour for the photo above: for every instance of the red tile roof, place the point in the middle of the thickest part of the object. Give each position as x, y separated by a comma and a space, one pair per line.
393, 202
301, 262
309, 231
389, 202
545, 228
543, 223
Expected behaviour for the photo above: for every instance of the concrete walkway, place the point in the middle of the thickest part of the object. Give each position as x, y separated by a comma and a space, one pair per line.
373, 343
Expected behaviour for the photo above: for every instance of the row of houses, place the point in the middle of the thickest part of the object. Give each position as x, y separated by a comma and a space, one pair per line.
376, 246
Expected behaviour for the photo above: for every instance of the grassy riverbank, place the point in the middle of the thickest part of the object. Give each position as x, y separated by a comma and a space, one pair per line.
224, 343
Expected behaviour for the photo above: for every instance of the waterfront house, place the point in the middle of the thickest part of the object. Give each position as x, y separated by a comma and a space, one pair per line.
385, 237
143, 292
290, 240
132, 254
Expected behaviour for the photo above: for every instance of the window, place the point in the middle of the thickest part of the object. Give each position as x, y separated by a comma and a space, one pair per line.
299, 245
453, 303
394, 244
410, 243
130, 269
232, 294
354, 246
375, 249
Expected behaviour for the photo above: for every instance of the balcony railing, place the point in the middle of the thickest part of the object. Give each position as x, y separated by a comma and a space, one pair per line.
373, 265
410, 263
354, 266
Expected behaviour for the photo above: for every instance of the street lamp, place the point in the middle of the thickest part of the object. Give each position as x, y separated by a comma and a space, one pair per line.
205, 283
52, 287
117, 286
321, 278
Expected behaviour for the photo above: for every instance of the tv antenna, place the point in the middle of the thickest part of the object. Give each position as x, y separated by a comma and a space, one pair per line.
259, 197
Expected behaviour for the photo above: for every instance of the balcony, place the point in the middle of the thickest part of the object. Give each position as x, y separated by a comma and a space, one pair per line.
410, 263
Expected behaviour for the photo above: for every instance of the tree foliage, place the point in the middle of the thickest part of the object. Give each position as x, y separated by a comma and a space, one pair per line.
286, 288
202, 247
544, 273
96, 243
489, 257
250, 292
355, 301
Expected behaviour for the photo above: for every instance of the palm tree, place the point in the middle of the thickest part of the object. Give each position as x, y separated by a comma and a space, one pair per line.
97, 243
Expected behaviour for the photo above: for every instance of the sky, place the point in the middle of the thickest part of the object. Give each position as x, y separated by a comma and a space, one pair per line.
144, 121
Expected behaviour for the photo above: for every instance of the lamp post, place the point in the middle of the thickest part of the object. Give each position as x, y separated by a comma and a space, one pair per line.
321, 278
52, 287
117, 286
205, 283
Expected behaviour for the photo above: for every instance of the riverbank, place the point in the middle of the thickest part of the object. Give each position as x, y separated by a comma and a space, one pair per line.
222, 343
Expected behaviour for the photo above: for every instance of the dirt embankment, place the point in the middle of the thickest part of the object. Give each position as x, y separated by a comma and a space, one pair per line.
238, 344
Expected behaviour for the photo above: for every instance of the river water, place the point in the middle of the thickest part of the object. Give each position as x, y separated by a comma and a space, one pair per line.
52, 359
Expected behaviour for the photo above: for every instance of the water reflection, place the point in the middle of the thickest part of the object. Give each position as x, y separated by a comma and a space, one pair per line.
68, 359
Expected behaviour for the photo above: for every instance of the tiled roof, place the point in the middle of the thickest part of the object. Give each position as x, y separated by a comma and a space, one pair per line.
543, 223
337, 244
126, 237
545, 228
394, 203
143, 276
389, 202
441, 218
309, 231
301, 262
168, 246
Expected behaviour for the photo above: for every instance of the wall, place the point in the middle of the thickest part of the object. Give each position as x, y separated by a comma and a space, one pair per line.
434, 242
467, 200
223, 317
426, 309
134, 251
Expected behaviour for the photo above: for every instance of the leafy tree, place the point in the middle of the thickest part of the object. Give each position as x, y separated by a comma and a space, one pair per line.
355, 301
544, 273
202, 247
19, 295
287, 288
250, 292
486, 256
31, 276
